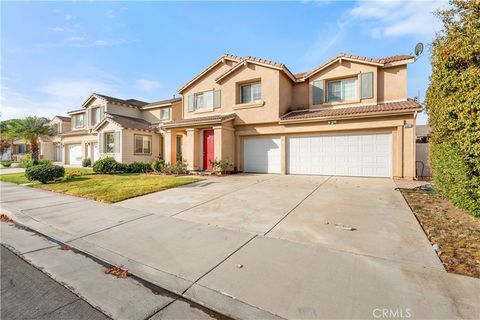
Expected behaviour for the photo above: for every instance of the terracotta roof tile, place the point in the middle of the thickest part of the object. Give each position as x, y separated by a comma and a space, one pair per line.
192, 121
326, 113
355, 57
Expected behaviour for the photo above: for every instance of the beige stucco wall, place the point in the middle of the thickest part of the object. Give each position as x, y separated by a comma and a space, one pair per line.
267, 111
300, 95
86, 141
123, 110
47, 151
128, 146
392, 83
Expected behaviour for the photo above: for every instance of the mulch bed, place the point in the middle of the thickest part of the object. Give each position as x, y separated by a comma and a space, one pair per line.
456, 233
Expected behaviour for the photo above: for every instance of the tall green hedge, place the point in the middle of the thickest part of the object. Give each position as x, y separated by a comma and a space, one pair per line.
453, 105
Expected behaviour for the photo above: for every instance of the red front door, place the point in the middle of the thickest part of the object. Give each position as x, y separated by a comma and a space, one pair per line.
207, 149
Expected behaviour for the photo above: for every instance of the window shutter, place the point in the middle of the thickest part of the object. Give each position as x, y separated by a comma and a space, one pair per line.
102, 113
191, 103
318, 92
216, 99
90, 123
116, 141
101, 142
366, 83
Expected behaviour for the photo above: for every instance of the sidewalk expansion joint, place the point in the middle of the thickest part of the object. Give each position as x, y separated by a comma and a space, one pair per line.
297, 205
219, 263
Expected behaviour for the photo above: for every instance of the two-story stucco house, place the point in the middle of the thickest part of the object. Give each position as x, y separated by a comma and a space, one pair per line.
348, 116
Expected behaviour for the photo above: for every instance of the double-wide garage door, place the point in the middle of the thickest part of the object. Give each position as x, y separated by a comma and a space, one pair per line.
368, 155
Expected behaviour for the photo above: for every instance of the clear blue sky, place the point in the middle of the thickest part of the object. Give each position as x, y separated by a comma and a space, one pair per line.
54, 54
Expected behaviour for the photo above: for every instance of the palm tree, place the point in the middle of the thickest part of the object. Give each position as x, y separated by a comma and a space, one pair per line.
31, 129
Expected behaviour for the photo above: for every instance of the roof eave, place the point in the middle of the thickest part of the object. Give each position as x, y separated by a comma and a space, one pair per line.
196, 123
351, 116
201, 74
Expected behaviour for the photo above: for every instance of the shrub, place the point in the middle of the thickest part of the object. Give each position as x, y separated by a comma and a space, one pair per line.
6, 163
221, 165
87, 162
108, 165
138, 167
45, 173
179, 168
453, 106
26, 162
42, 162
158, 166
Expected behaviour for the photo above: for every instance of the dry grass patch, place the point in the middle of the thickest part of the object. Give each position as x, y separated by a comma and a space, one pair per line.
5, 218
456, 233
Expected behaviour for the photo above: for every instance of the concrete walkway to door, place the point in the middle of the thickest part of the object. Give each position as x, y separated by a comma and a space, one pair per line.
245, 274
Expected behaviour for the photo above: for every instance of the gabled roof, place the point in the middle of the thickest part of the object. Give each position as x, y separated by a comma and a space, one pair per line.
63, 118
258, 61
129, 102
385, 108
381, 62
217, 118
162, 103
224, 57
126, 122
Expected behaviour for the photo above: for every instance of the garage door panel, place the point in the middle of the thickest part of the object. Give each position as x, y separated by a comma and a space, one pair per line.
74, 153
262, 155
349, 155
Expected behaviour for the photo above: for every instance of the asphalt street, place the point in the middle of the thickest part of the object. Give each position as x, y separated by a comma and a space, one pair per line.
28, 293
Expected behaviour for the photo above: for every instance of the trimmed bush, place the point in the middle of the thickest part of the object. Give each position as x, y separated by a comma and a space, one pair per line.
138, 167
42, 162
179, 168
44, 173
87, 162
453, 106
6, 163
108, 165
158, 166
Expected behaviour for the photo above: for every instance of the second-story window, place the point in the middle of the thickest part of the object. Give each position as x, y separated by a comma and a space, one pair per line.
204, 100
56, 128
79, 120
165, 114
251, 92
342, 90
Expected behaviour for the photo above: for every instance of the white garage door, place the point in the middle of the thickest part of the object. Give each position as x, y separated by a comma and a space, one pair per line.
74, 152
262, 155
367, 155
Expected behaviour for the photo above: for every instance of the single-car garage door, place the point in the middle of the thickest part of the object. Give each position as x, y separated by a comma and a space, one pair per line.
367, 155
262, 155
74, 153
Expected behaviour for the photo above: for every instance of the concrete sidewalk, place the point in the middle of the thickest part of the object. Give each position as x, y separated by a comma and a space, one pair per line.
243, 274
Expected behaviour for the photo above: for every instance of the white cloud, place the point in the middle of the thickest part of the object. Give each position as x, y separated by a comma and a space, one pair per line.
75, 39
398, 17
110, 14
68, 17
146, 85
61, 29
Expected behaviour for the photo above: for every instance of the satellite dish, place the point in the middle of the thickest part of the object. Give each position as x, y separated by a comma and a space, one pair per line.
418, 49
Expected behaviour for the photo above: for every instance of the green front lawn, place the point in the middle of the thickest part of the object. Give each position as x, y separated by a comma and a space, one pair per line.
19, 178
117, 187
105, 187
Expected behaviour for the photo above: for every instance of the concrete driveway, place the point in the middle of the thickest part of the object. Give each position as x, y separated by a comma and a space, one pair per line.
303, 209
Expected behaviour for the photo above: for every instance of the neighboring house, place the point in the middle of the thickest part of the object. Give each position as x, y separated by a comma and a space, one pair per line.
128, 130
16, 151
349, 116
422, 151
51, 148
